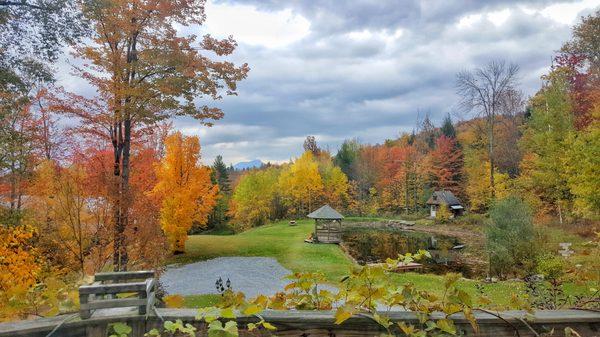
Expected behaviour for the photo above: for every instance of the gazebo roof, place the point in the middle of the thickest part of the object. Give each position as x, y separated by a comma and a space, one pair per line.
326, 212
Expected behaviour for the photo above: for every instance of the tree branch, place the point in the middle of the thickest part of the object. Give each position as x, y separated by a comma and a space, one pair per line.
21, 3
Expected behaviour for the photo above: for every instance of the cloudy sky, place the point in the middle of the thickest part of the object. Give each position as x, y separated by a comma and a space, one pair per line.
366, 69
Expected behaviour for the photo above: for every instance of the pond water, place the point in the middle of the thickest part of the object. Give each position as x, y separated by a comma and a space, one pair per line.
251, 275
369, 245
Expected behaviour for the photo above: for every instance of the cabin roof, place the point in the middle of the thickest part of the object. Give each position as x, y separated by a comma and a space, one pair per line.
443, 197
326, 212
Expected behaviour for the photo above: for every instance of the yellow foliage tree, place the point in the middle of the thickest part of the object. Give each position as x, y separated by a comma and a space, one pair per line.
335, 184
185, 186
479, 189
62, 210
301, 184
253, 199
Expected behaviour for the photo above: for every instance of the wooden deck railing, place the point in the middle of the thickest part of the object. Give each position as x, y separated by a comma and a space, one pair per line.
137, 289
103, 294
314, 324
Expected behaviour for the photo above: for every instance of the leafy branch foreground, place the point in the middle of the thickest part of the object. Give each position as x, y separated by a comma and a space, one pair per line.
366, 291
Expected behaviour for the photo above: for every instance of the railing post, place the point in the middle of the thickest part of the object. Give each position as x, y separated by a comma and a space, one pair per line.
84, 311
142, 308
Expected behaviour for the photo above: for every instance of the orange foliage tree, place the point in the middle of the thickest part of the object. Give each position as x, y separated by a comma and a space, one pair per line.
401, 181
146, 72
186, 187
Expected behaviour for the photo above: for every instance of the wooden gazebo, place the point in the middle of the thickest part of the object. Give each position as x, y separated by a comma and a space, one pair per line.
328, 225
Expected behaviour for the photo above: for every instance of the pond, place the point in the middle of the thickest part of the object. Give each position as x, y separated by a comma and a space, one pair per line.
373, 245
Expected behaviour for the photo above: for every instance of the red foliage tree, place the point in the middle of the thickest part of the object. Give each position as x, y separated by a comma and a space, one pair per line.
445, 165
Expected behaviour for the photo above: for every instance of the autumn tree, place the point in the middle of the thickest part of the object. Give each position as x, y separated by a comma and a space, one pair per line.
548, 128
477, 174
146, 72
188, 194
301, 184
335, 184
310, 145
487, 92
581, 164
24, 139
445, 164
401, 182
254, 200
65, 210
580, 56
20, 263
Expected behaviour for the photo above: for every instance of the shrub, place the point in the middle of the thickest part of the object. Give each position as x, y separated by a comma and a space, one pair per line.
443, 214
509, 238
472, 219
551, 266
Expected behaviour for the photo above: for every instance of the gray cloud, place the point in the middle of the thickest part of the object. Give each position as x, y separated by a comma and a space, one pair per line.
366, 68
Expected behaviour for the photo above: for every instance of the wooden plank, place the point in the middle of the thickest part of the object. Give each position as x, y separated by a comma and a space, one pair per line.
150, 303
142, 308
113, 303
124, 275
132, 287
150, 285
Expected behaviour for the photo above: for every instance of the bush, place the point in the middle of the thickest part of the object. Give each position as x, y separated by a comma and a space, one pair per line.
510, 238
443, 214
472, 219
551, 266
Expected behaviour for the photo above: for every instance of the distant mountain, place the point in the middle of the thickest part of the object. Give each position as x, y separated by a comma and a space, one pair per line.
248, 164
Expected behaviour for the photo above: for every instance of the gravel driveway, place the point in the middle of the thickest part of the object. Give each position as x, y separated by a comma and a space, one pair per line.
251, 275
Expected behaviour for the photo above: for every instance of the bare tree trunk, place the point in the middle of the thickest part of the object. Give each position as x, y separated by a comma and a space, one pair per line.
118, 229
560, 217
491, 156
125, 201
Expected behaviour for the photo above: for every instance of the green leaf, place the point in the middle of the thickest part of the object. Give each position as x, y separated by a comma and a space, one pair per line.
447, 326
228, 313
216, 329
152, 333
121, 328
269, 326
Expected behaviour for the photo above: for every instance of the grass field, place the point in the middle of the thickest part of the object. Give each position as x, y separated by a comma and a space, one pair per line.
286, 244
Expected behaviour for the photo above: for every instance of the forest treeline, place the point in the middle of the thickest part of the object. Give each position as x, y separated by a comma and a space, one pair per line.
544, 149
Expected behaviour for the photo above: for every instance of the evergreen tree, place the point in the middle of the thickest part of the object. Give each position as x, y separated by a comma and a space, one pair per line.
221, 175
447, 128
347, 156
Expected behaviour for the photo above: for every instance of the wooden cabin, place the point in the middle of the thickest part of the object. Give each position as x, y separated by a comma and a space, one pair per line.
446, 199
328, 225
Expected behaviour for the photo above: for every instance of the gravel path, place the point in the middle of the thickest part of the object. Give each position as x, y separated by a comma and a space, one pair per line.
251, 275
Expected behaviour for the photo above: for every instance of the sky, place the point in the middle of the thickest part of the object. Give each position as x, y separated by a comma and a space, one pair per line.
362, 69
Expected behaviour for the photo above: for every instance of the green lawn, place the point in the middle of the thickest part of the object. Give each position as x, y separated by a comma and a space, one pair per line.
279, 240
286, 244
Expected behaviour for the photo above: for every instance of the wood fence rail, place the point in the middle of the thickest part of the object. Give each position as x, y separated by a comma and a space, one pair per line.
313, 324
136, 288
